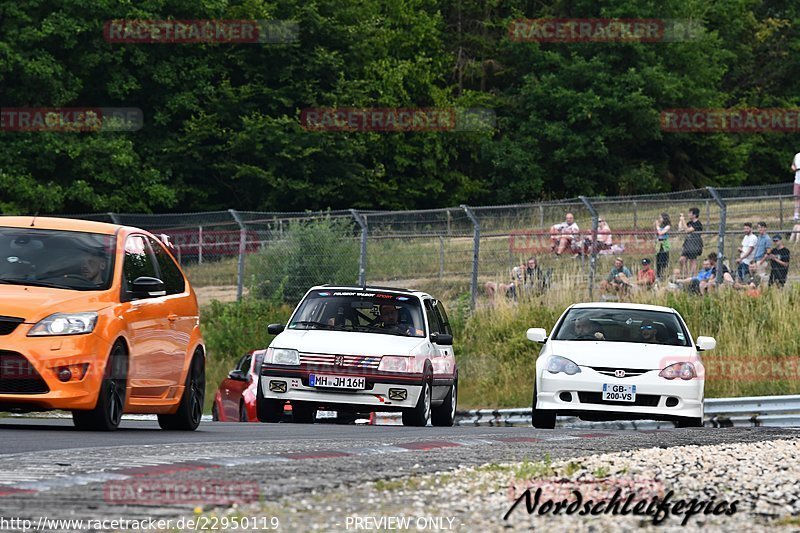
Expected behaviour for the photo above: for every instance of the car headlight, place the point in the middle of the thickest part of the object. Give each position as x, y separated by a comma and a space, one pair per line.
684, 371
557, 364
396, 363
64, 324
282, 356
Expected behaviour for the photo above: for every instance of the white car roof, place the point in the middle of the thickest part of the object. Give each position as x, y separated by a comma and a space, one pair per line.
615, 305
369, 288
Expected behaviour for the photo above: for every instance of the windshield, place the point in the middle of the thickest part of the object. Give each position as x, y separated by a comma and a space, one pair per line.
55, 258
371, 312
622, 325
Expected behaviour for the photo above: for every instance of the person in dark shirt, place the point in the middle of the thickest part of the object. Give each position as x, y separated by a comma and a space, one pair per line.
779, 261
693, 244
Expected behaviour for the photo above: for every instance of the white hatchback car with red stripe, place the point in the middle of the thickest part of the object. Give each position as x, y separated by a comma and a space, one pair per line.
607, 361
361, 350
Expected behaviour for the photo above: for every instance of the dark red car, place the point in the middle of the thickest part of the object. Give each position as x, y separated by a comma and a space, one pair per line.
235, 400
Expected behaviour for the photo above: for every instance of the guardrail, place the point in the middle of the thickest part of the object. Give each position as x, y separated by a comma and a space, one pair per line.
767, 411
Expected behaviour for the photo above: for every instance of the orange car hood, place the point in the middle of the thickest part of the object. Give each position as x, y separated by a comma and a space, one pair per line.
36, 303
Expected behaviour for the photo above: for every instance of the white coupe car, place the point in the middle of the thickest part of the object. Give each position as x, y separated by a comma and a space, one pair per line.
609, 361
360, 350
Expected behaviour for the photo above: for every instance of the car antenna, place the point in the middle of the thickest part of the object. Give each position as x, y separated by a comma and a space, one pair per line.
33, 220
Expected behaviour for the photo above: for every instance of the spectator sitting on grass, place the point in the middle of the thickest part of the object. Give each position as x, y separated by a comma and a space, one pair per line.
604, 238
693, 284
564, 234
535, 280
750, 281
646, 277
618, 280
779, 260
509, 289
727, 279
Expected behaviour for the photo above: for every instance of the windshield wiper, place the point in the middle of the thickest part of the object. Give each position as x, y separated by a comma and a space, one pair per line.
33, 283
311, 323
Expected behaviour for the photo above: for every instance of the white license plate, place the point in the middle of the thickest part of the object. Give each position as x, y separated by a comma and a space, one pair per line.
337, 382
619, 393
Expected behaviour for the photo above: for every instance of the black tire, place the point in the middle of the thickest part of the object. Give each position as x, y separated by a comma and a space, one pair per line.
542, 418
445, 414
420, 413
689, 422
242, 412
304, 412
107, 412
190, 410
268, 409
214, 413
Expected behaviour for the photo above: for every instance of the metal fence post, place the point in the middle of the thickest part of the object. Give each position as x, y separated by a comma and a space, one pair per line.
723, 213
780, 211
242, 250
635, 216
595, 225
200, 245
441, 257
476, 244
362, 259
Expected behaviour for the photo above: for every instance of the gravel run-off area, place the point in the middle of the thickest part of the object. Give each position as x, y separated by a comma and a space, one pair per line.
749, 485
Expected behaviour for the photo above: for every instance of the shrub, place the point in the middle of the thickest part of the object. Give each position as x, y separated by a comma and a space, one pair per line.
311, 253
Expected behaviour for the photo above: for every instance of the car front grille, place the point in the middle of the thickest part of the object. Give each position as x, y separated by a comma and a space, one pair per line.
611, 371
349, 361
642, 400
17, 375
8, 324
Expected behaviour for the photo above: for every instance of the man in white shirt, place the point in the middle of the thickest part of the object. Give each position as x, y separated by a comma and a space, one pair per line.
796, 170
747, 252
564, 234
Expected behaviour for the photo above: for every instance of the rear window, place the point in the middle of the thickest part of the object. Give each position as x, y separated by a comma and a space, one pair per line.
622, 325
360, 311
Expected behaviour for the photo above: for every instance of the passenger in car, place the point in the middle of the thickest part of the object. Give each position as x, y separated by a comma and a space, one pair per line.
93, 268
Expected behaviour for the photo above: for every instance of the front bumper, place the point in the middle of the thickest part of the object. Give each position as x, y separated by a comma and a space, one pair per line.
381, 391
655, 396
45, 355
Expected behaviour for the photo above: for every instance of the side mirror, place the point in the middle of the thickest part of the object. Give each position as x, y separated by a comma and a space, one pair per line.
706, 343
537, 335
442, 338
237, 375
146, 287
274, 329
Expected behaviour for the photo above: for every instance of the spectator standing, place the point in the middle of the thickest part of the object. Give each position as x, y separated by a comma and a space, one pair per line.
646, 277
779, 259
747, 251
564, 234
763, 243
693, 244
796, 170
663, 225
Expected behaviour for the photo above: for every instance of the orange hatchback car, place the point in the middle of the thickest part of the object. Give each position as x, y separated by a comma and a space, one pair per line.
99, 320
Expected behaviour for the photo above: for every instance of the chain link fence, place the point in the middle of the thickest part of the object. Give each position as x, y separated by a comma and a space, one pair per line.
466, 253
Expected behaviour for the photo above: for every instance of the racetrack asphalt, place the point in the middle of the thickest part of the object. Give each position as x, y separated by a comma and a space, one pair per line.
47, 467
